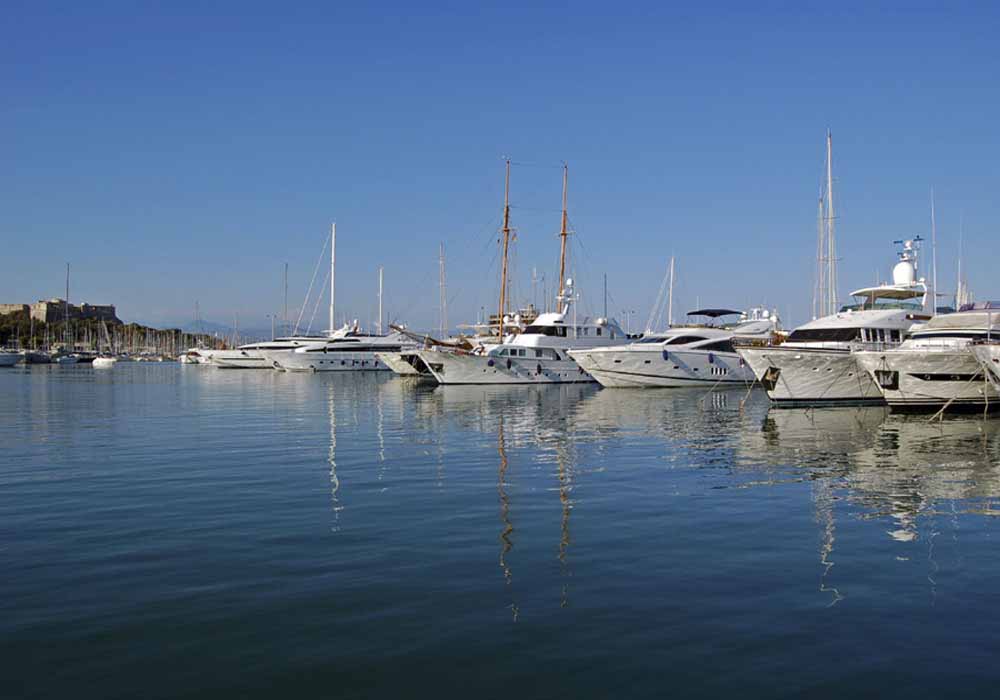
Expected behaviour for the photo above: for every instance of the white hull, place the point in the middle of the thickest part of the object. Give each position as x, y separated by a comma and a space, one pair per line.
989, 359
9, 359
240, 359
814, 376
631, 367
919, 379
104, 362
397, 362
358, 361
449, 367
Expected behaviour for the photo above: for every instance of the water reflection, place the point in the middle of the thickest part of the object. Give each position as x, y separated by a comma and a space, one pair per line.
506, 542
909, 478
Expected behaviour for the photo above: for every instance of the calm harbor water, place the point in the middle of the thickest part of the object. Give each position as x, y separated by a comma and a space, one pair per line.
173, 531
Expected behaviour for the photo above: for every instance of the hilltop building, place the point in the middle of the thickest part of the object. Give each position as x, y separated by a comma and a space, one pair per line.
54, 310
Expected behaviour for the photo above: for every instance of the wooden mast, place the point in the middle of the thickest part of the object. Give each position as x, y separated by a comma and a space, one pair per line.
506, 246
562, 240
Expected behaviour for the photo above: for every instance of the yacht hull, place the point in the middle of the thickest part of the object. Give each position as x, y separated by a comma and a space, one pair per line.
671, 369
989, 358
917, 381
402, 363
449, 367
240, 359
356, 361
811, 376
104, 362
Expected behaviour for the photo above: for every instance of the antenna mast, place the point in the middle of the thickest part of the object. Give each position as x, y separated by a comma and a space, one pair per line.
562, 236
506, 246
333, 269
285, 320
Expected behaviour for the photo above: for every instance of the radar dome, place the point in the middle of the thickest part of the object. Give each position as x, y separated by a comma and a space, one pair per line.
903, 273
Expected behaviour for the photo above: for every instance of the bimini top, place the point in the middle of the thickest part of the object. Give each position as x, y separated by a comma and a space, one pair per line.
714, 313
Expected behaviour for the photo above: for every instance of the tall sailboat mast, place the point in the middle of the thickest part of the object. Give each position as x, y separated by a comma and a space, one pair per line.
506, 247
333, 271
830, 238
442, 294
670, 296
933, 257
563, 233
66, 333
380, 300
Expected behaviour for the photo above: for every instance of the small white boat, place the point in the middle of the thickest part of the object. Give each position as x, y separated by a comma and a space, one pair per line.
104, 362
9, 358
67, 360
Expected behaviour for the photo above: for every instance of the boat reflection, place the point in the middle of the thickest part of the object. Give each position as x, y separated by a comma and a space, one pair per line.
902, 475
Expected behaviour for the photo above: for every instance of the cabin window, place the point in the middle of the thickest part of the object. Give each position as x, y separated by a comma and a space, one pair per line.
598, 331
719, 346
825, 335
539, 353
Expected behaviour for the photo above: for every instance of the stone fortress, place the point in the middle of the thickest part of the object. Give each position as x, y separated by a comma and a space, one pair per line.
54, 310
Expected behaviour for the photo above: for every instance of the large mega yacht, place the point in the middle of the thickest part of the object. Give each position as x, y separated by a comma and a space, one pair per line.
815, 365
685, 355
936, 366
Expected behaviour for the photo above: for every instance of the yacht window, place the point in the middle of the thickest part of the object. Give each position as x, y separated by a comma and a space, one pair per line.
685, 339
651, 339
503, 352
894, 335
598, 331
830, 335
539, 353
543, 330
719, 346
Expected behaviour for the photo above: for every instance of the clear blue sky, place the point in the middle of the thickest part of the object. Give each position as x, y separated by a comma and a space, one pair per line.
175, 152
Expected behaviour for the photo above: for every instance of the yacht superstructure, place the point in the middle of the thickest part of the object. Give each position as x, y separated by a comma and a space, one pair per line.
936, 366
687, 355
815, 365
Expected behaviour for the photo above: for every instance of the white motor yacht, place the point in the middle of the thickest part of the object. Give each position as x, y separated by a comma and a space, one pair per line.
936, 366
686, 355
261, 355
815, 365
9, 358
348, 349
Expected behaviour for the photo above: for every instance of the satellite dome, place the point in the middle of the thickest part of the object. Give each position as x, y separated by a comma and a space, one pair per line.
903, 273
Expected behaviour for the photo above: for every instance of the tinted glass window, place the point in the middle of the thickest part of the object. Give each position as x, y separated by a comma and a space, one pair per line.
719, 346
827, 335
